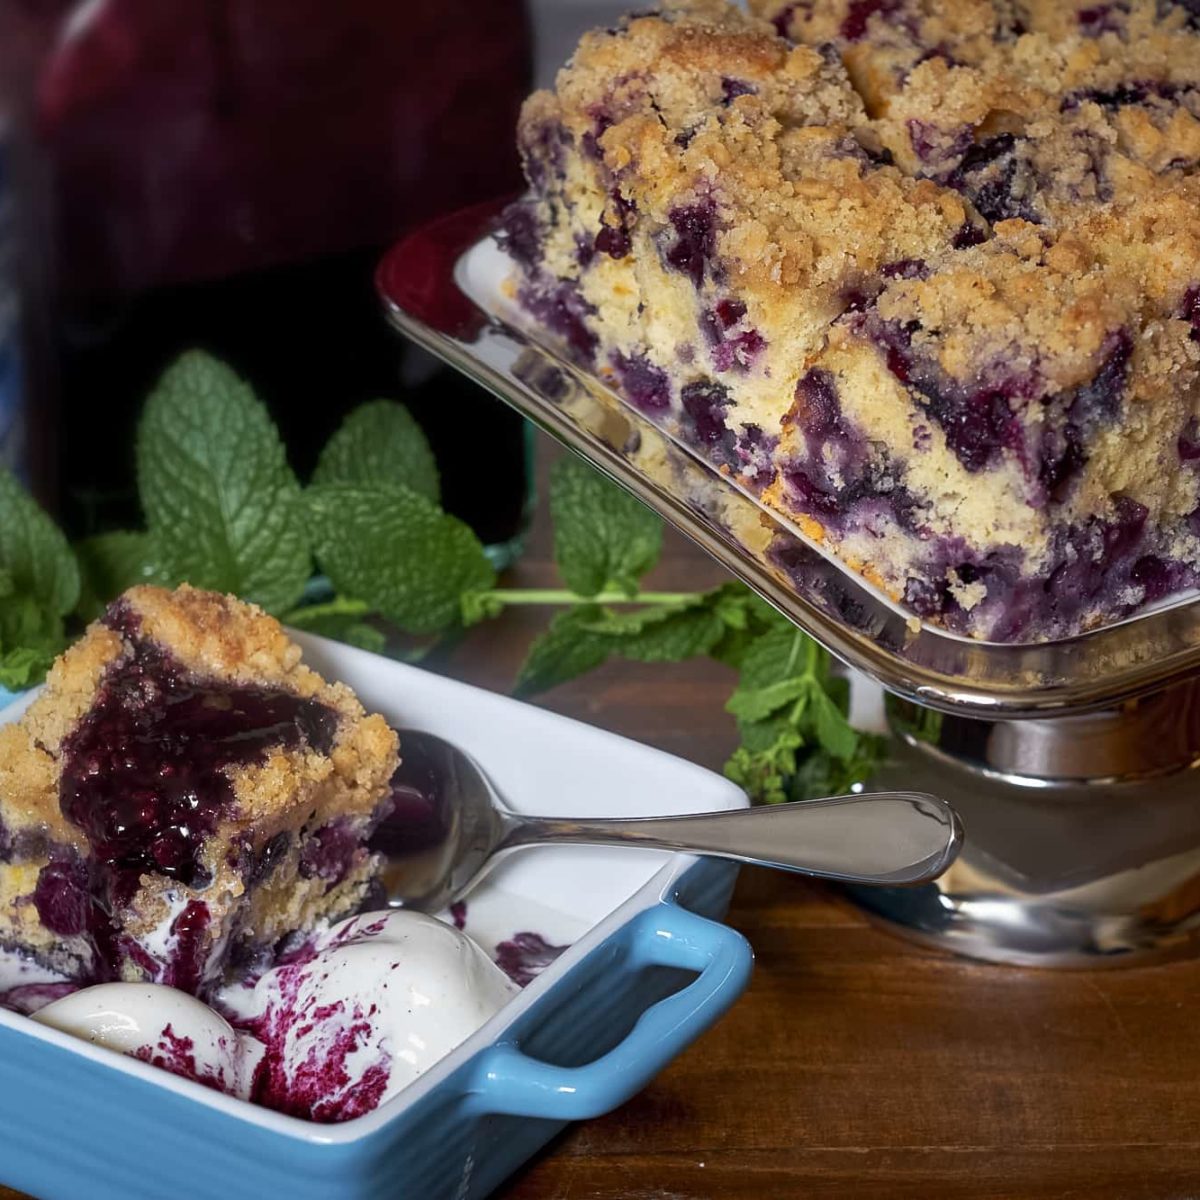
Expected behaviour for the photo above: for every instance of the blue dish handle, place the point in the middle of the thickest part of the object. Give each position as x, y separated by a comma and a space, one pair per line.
514, 1084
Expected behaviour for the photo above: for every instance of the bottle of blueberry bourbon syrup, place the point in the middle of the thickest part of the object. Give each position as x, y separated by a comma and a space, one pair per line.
226, 174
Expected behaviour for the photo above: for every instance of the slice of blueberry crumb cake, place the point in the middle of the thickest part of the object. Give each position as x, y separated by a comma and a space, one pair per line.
924, 277
183, 794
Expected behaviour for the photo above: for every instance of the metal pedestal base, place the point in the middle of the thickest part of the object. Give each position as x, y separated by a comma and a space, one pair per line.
1082, 834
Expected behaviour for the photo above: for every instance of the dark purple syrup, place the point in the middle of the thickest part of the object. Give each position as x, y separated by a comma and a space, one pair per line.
525, 956
145, 774
417, 819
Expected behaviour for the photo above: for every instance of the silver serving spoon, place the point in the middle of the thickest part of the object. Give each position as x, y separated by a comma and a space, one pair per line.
451, 827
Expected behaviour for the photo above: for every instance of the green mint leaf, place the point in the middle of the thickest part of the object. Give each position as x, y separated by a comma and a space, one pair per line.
34, 555
111, 562
26, 623
753, 704
221, 502
680, 635
24, 668
398, 552
760, 736
565, 650
833, 731
823, 774
775, 656
764, 773
603, 537
380, 442
31, 637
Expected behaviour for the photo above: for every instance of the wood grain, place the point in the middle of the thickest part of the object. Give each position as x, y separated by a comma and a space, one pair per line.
859, 1065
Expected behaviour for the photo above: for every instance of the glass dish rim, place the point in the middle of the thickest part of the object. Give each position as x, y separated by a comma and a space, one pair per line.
418, 281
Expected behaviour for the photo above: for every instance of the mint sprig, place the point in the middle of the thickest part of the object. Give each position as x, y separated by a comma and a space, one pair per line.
224, 511
379, 442
793, 718
218, 494
39, 586
398, 552
34, 555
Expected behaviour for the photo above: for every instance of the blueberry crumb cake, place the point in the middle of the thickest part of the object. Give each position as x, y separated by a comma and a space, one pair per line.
924, 277
183, 794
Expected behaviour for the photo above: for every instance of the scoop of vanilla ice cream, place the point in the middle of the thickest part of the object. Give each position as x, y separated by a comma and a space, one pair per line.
161, 1026
374, 1004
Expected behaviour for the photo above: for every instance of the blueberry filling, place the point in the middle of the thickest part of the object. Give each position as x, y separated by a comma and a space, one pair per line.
1093, 406
585, 249
265, 862
704, 403
997, 178
646, 385
835, 481
732, 88
1188, 442
542, 153
937, 148
331, 852
1100, 563
590, 142
859, 14
145, 772
1124, 95
417, 819
519, 234
1191, 7
615, 240
1102, 18
695, 240
62, 897
1191, 311
563, 311
977, 419
730, 351
969, 234
905, 268
783, 19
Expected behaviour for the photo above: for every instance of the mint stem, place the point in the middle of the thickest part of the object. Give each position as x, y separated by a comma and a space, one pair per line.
339, 606
562, 596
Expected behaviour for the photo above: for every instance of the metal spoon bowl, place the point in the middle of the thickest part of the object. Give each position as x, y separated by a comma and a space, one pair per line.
452, 827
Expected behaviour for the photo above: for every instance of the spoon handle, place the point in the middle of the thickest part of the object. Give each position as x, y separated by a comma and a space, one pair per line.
885, 838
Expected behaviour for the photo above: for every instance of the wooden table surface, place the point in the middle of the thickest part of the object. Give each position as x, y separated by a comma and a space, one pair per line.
857, 1065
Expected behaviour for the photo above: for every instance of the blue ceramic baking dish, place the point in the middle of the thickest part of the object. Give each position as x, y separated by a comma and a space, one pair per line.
652, 972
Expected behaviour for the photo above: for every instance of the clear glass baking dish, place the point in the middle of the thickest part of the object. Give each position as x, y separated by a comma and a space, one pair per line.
443, 287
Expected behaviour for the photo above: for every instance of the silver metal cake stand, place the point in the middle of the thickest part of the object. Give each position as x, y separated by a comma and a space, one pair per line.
1070, 762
